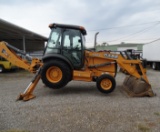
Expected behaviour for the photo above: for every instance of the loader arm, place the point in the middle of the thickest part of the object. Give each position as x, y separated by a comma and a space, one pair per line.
128, 66
132, 67
136, 83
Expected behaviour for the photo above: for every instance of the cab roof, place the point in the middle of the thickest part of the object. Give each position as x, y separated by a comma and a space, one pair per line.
82, 29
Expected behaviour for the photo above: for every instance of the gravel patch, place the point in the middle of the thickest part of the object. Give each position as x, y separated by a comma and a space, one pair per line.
77, 107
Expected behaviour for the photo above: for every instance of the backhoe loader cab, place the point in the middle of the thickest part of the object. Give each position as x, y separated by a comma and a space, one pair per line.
66, 42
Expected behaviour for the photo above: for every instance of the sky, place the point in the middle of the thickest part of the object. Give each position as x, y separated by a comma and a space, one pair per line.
117, 21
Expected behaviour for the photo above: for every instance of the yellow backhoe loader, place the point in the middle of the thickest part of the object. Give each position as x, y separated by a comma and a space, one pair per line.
66, 58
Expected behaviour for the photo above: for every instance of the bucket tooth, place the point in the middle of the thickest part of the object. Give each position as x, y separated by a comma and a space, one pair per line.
137, 87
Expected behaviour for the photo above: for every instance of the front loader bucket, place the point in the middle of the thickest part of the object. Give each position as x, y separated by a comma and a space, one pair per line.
137, 87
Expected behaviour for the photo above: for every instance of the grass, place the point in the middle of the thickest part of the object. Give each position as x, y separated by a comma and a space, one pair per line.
157, 113
143, 128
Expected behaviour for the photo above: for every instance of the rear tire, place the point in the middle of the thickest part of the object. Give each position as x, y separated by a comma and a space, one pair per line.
106, 84
55, 74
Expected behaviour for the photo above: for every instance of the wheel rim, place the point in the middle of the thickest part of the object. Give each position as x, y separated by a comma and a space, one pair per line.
106, 84
54, 74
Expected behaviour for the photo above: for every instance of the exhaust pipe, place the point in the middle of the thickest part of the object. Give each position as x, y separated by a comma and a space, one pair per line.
95, 40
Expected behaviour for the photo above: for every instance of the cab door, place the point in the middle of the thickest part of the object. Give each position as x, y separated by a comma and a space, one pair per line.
73, 47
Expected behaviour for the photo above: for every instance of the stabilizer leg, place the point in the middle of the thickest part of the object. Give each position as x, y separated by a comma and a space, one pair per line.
28, 93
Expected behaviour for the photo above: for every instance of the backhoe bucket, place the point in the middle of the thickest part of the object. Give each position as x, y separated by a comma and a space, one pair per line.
137, 87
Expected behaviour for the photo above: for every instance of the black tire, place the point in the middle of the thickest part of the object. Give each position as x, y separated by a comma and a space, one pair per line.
1, 69
106, 88
63, 68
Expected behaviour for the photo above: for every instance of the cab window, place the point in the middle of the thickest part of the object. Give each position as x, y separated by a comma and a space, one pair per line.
54, 43
72, 46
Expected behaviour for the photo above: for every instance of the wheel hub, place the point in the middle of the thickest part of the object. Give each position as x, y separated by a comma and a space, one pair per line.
106, 84
54, 74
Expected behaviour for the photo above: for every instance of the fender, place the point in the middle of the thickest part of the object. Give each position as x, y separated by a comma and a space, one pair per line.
57, 56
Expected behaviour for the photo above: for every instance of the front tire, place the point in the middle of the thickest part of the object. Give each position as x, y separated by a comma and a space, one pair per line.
55, 74
106, 84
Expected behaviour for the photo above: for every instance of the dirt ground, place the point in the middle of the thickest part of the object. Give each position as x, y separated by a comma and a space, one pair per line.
78, 107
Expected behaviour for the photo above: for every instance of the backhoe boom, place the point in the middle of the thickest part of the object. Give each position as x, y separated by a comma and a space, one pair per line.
9, 52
